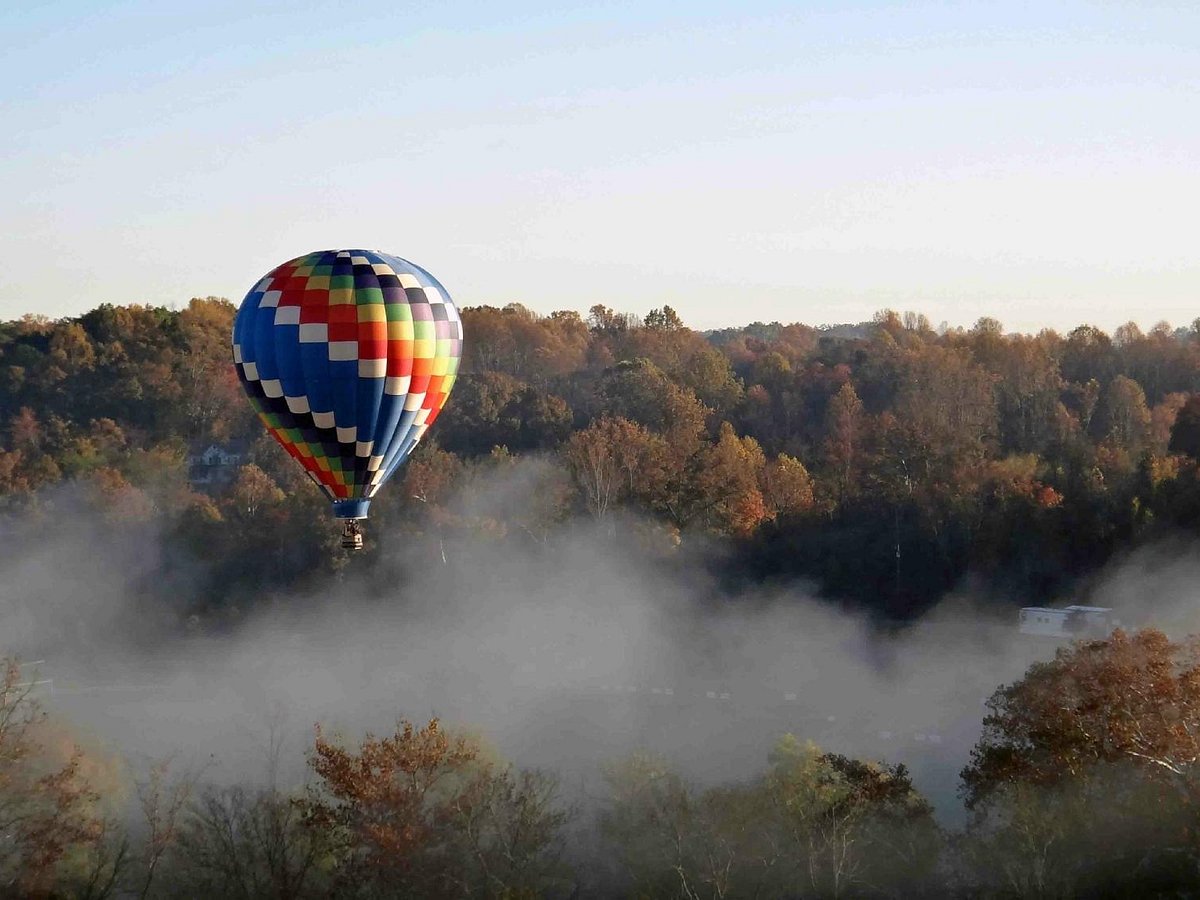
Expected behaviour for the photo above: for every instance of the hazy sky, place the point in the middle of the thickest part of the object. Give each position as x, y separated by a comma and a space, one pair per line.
794, 161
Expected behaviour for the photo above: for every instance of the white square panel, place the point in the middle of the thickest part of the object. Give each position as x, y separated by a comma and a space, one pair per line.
343, 351
287, 315
397, 384
314, 333
372, 368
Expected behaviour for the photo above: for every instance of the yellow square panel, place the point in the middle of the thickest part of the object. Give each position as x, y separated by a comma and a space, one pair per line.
372, 312
341, 297
400, 331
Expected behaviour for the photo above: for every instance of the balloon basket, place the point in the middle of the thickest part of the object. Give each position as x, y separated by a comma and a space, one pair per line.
352, 538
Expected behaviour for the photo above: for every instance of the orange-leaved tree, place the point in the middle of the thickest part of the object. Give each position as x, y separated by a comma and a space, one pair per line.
423, 812
1130, 697
48, 810
613, 460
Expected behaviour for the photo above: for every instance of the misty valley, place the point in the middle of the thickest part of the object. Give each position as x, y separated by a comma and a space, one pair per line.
651, 612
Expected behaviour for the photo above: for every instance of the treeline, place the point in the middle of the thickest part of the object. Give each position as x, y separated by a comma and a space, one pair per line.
885, 462
1083, 784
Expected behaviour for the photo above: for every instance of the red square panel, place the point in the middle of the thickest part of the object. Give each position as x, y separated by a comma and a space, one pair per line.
399, 358
373, 330
372, 349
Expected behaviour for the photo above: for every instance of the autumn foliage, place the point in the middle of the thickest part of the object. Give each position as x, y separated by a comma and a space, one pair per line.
48, 814
1084, 782
884, 461
1127, 698
814, 824
385, 794
424, 813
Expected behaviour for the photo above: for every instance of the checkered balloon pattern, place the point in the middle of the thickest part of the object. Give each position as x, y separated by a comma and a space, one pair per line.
348, 357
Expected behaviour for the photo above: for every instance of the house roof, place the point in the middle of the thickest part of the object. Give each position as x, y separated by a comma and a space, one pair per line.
199, 448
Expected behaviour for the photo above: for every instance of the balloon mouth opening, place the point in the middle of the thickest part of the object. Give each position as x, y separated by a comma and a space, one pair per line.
352, 510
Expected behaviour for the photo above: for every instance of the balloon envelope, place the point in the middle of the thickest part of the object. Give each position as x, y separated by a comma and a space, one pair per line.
348, 357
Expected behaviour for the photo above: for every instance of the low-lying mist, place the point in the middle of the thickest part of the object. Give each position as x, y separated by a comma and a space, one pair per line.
562, 654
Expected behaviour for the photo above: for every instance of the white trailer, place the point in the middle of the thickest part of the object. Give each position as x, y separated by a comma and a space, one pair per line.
1068, 621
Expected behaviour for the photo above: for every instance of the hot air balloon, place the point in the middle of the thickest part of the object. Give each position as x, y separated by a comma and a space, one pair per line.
348, 356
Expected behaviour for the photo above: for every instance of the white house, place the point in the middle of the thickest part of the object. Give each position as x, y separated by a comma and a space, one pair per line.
1070, 621
214, 464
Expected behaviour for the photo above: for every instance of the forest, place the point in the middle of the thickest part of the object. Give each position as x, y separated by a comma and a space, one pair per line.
883, 465
884, 462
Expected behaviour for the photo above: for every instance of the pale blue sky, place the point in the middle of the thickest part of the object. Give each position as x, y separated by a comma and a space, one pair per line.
1037, 162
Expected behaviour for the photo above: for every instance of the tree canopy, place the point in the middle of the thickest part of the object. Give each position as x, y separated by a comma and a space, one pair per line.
885, 462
